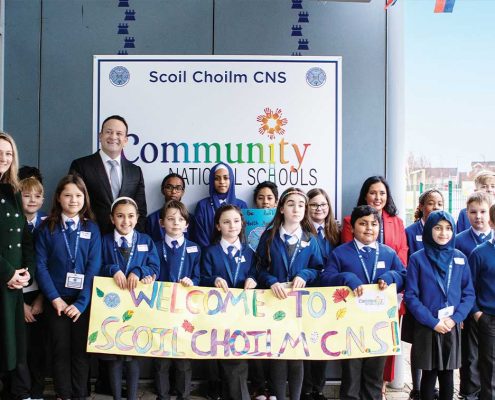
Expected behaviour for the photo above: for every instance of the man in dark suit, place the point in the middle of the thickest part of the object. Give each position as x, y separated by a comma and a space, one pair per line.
108, 175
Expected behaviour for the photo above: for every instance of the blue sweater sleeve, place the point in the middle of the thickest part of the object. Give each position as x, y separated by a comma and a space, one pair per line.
91, 268
108, 268
42, 247
332, 275
265, 278
315, 263
467, 295
202, 236
476, 268
207, 267
397, 273
412, 296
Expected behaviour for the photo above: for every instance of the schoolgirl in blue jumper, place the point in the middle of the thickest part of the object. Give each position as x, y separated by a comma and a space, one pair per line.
482, 263
477, 211
289, 257
173, 187
179, 262
68, 256
430, 200
363, 261
129, 257
230, 263
439, 294
328, 235
222, 191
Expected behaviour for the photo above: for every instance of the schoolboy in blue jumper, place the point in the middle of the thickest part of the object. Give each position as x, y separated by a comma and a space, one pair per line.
430, 200
363, 261
230, 263
222, 191
289, 257
173, 187
439, 294
129, 257
483, 182
482, 263
478, 210
68, 256
179, 262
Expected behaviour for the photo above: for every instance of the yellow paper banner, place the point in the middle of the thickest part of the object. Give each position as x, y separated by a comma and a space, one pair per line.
167, 320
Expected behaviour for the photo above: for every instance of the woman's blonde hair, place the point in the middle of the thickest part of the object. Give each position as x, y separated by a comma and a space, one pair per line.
10, 176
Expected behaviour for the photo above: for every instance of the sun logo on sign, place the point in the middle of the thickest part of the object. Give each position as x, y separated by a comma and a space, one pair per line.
271, 123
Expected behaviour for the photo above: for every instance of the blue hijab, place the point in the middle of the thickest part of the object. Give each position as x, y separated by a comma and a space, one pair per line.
440, 256
229, 197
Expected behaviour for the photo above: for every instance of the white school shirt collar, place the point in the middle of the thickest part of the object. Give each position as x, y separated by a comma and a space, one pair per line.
477, 233
361, 245
118, 237
33, 221
225, 245
169, 239
75, 219
317, 225
296, 236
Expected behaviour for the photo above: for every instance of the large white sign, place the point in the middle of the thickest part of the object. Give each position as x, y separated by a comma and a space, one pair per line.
270, 118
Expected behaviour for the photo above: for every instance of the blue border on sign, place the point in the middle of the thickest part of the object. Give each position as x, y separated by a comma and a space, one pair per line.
103, 60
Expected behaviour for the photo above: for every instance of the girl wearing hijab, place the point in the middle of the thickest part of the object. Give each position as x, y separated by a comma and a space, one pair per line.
439, 294
222, 191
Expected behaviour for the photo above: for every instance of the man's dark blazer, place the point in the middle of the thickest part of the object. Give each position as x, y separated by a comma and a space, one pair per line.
93, 172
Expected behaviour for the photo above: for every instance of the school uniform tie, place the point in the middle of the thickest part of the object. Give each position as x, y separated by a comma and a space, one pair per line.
69, 224
114, 178
366, 250
175, 245
124, 243
321, 235
482, 237
31, 227
230, 251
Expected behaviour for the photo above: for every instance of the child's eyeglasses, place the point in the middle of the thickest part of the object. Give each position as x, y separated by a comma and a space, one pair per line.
318, 206
172, 188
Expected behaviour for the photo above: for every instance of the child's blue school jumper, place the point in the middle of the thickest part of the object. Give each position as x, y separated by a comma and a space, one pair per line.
235, 270
157, 233
306, 263
144, 261
54, 262
462, 221
482, 264
344, 267
182, 262
325, 246
424, 297
205, 209
468, 240
414, 235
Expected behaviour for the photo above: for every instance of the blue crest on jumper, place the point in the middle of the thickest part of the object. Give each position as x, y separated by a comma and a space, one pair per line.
316, 77
119, 76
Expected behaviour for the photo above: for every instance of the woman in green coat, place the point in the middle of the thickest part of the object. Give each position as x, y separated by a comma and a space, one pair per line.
16, 259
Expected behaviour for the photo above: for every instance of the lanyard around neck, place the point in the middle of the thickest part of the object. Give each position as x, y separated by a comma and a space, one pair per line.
363, 264
182, 258
72, 256
131, 254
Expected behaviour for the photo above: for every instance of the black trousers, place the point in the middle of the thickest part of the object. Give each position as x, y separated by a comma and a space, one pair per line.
235, 374
362, 378
283, 371
183, 375
469, 372
314, 376
486, 332
68, 345
116, 370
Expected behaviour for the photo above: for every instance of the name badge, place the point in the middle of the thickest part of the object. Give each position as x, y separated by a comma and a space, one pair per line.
459, 260
74, 281
85, 235
380, 265
242, 259
191, 249
419, 238
142, 247
446, 312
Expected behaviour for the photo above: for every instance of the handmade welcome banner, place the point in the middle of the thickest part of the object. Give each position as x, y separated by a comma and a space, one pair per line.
167, 320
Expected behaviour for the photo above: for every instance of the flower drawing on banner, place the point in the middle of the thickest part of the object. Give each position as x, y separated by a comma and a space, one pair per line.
187, 326
271, 122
